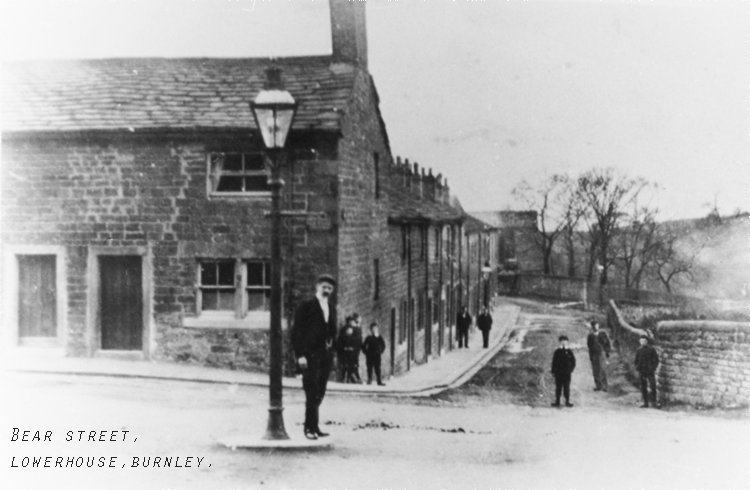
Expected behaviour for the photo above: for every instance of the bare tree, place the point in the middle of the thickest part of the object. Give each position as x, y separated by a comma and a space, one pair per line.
606, 193
636, 243
558, 209
675, 256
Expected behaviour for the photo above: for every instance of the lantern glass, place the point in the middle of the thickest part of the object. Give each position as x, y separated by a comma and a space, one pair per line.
274, 112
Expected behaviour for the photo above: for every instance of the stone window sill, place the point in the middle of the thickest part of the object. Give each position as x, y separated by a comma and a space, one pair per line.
226, 320
243, 195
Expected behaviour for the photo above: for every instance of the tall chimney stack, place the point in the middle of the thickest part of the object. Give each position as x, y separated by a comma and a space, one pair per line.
349, 31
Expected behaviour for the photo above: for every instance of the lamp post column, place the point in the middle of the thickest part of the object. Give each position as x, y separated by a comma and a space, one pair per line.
276, 428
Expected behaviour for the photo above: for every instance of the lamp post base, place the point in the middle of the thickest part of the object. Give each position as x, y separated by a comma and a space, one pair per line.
275, 430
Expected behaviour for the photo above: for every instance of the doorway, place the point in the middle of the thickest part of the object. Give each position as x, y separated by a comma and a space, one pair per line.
121, 302
37, 296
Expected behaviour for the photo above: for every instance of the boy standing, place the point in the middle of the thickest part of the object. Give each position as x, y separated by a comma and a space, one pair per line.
348, 349
373, 347
563, 364
463, 323
484, 322
646, 362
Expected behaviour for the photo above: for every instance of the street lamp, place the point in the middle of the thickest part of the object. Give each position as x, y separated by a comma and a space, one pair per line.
274, 109
486, 271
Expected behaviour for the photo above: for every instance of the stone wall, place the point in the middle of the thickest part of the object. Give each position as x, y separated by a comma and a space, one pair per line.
560, 288
701, 362
704, 363
625, 337
116, 191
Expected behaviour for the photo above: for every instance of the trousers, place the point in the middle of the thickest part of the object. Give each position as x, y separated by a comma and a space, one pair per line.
373, 364
562, 384
485, 338
463, 338
599, 368
314, 382
648, 379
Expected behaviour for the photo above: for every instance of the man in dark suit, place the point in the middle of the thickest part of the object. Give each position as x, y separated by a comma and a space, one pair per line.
313, 335
463, 323
599, 347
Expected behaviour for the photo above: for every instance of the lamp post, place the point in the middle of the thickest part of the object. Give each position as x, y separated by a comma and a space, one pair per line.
274, 109
486, 271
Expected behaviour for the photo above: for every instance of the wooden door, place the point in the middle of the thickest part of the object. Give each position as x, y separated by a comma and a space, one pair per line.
121, 302
37, 296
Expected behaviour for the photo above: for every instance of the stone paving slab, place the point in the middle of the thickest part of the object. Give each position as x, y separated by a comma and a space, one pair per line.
448, 371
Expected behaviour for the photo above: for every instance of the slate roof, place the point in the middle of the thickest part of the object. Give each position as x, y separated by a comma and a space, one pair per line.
159, 93
475, 225
404, 207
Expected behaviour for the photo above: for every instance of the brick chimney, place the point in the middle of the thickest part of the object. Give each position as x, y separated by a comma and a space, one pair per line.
349, 31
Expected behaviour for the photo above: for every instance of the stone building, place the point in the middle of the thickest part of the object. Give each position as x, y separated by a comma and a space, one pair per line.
482, 246
134, 202
517, 242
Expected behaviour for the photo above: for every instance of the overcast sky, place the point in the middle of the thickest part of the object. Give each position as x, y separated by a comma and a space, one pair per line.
487, 93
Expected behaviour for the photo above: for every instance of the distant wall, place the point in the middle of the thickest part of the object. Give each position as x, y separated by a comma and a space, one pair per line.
625, 336
561, 288
703, 362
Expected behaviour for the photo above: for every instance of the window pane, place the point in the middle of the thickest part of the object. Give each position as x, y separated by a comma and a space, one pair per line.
255, 273
257, 183
226, 300
233, 163
257, 301
226, 274
254, 162
229, 184
210, 300
208, 274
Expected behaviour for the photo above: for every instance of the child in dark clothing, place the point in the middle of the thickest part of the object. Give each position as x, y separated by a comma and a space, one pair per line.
563, 364
348, 349
373, 347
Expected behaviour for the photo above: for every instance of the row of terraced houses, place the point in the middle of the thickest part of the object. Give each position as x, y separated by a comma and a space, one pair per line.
135, 202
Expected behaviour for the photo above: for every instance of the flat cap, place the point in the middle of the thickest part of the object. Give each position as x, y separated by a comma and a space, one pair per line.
327, 278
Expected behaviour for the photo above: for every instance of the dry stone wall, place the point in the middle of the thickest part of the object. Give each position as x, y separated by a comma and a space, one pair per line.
704, 363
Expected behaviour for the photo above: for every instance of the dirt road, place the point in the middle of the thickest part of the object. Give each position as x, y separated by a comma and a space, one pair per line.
496, 435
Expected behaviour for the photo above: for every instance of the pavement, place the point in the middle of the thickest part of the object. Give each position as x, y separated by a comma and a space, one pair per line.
450, 370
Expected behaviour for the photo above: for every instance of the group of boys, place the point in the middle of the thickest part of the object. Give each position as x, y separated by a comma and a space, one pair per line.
350, 344
564, 362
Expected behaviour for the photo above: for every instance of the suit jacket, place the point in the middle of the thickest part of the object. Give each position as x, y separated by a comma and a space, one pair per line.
373, 346
646, 359
311, 334
598, 342
484, 322
563, 362
463, 322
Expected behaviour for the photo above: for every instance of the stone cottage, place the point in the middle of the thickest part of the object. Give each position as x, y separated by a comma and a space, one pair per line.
135, 200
